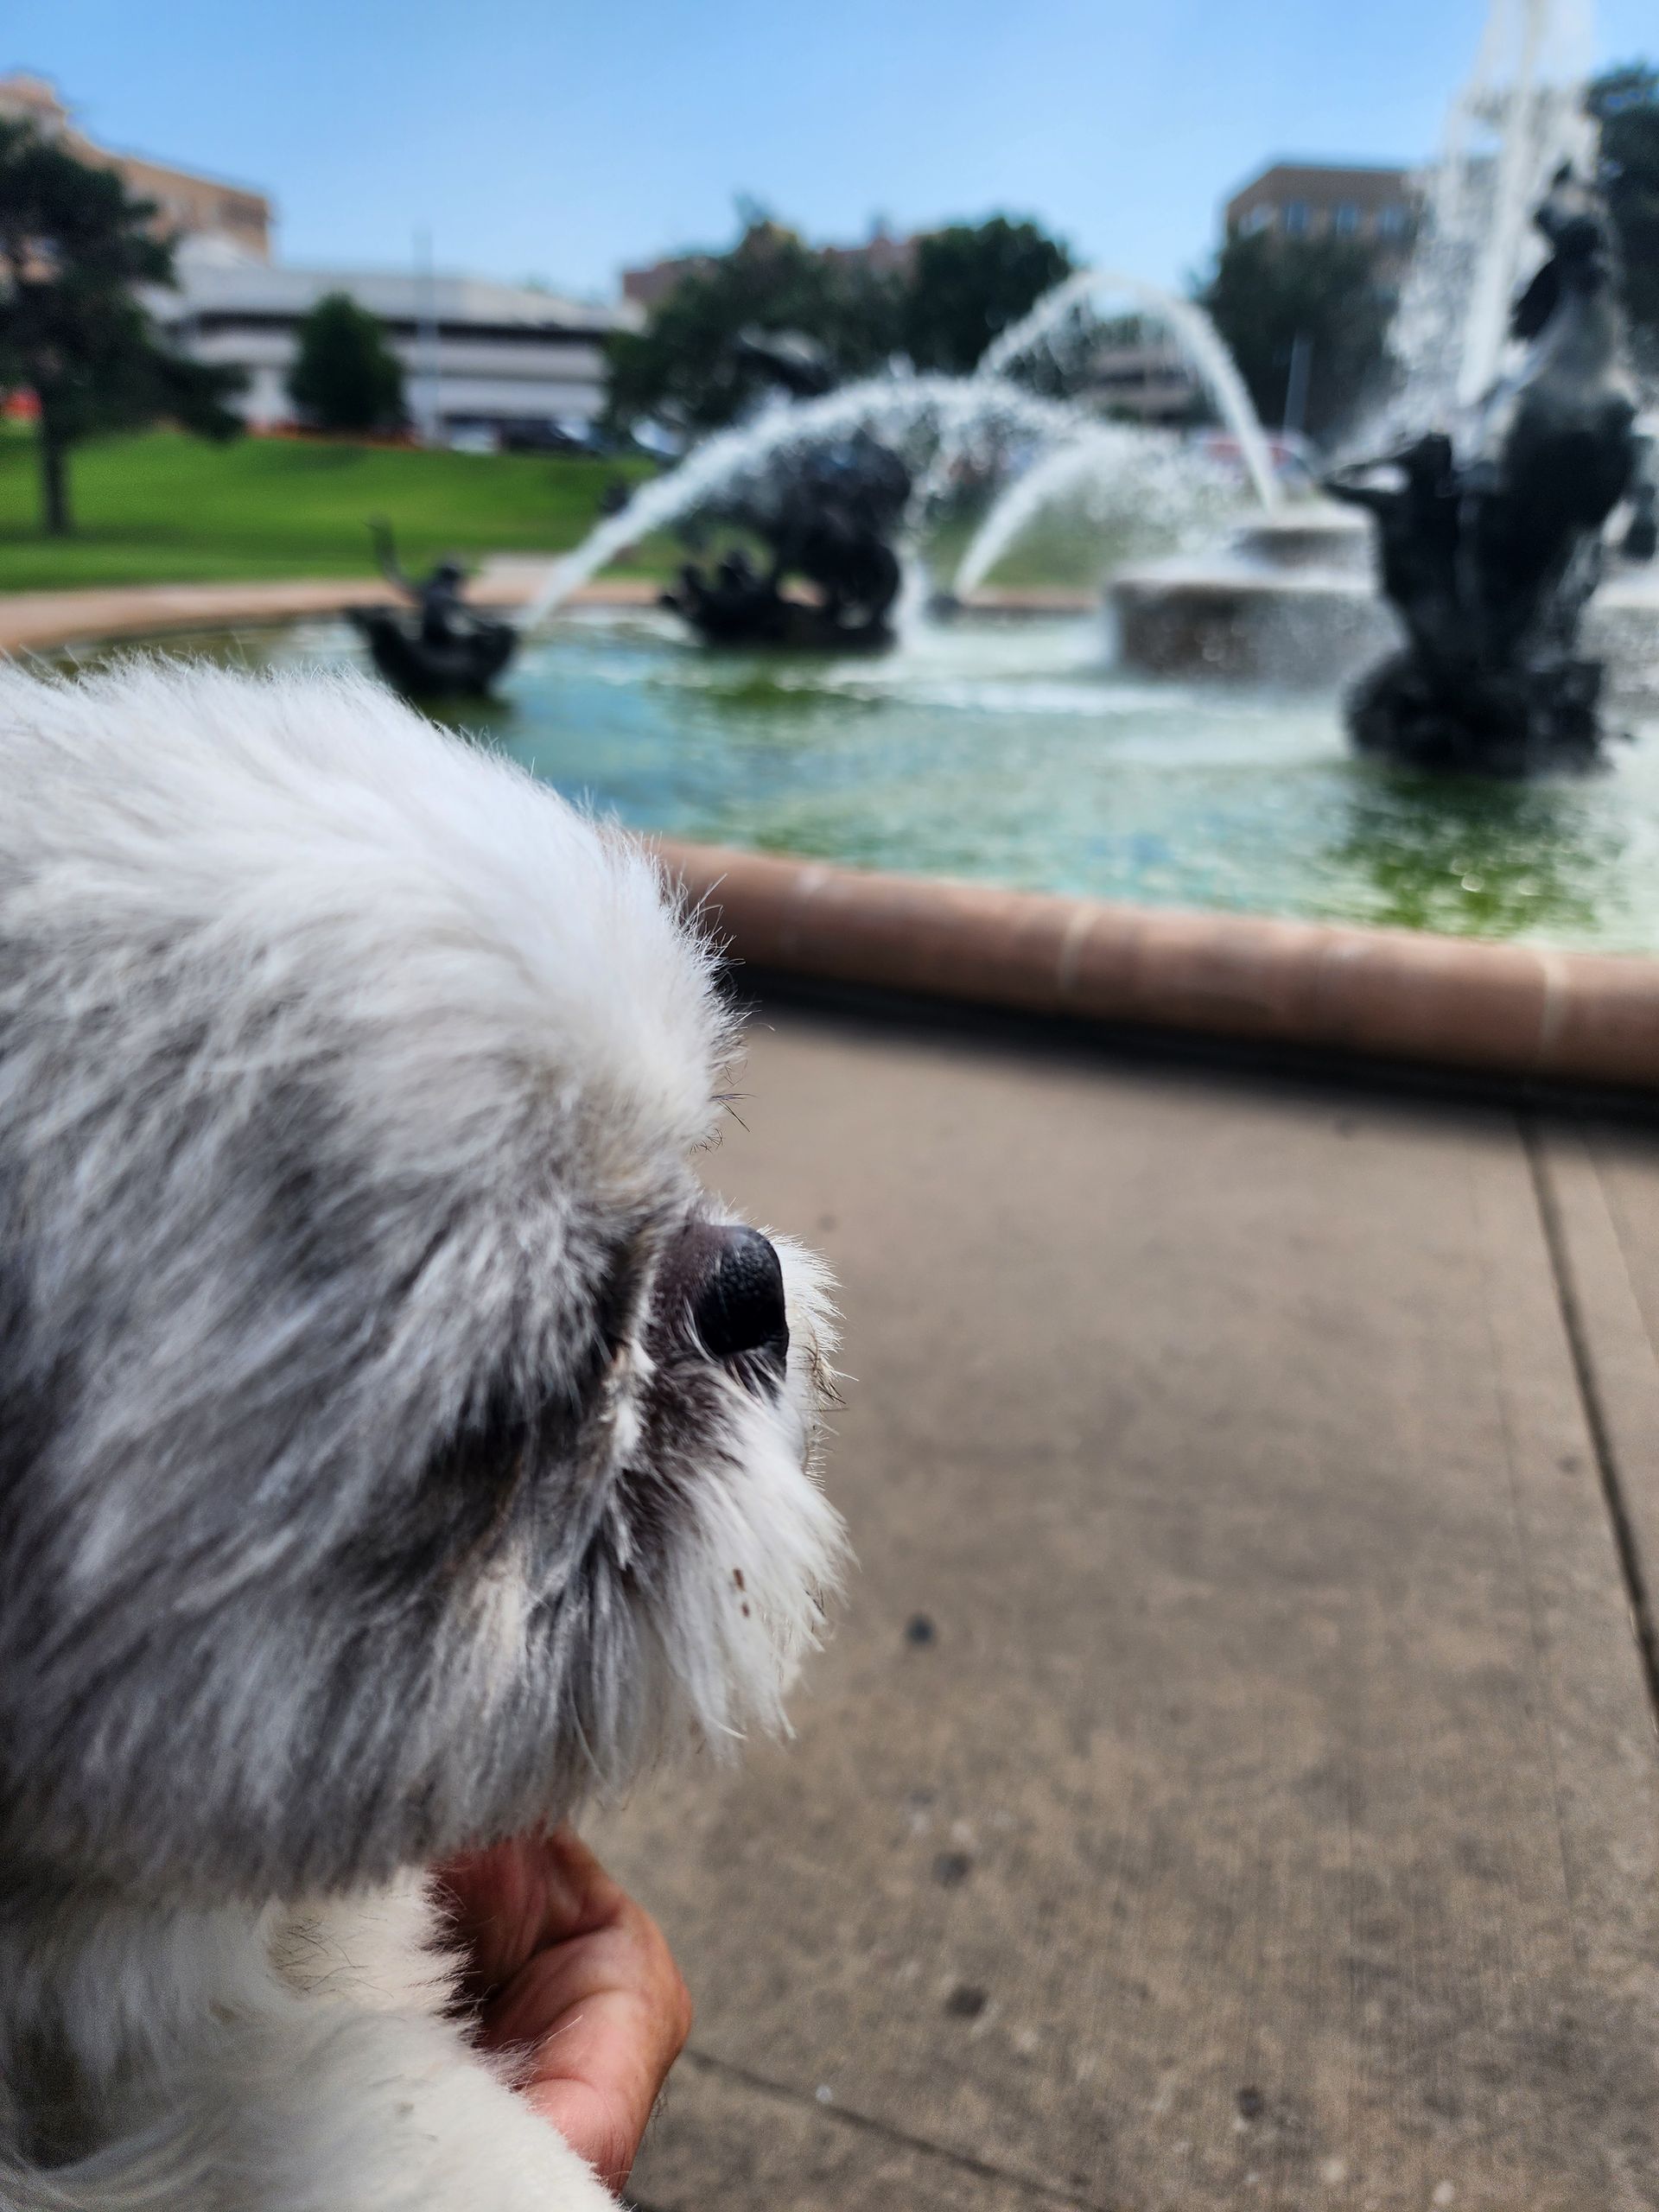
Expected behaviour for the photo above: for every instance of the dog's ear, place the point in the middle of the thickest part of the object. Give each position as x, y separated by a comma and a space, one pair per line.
477, 1477
37, 1391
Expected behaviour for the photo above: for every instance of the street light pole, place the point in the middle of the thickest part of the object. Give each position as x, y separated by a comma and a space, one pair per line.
429, 413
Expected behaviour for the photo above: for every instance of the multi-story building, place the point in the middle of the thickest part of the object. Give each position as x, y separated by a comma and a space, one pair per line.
481, 359
1139, 372
187, 204
881, 254
1312, 199
493, 361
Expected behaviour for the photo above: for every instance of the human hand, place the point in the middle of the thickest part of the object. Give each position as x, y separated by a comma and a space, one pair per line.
567, 1970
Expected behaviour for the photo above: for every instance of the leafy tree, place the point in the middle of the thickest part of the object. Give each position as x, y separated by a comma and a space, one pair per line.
682, 368
1267, 291
971, 281
1625, 102
965, 284
345, 376
75, 245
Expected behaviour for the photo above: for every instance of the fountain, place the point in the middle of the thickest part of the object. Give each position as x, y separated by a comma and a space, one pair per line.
1517, 121
1118, 471
1024, 752
1490, 561
1289, 601
920, 419
834, 482
1185, 321
827, 513
829, 520
446, 649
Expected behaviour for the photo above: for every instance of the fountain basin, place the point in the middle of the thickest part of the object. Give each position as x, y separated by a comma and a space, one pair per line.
1306, 627
1315, 626
1194, 856
1314, 534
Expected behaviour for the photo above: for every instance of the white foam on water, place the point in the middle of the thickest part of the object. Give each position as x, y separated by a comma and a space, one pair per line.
1185, 321
1520, 115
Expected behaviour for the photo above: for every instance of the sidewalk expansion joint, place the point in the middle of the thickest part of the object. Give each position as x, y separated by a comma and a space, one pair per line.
963, 2161
1636, 1594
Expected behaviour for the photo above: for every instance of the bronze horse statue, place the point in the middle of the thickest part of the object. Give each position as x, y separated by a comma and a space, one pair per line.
1490, 561
826, 515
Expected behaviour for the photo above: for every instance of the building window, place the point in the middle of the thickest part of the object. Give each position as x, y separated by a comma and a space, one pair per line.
1391, 222
1298, 220
1259, 219
1345, 221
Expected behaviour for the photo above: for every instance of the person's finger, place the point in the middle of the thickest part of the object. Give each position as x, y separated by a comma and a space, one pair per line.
577, 1982
507, 1901
597, 2076
601, 2018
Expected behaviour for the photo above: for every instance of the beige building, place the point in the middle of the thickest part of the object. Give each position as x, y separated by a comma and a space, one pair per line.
881, 254
498, 362
1312, 199
1144, 376
188, 205
486, 361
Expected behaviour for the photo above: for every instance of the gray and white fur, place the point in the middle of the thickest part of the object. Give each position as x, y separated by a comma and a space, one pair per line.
365, 1493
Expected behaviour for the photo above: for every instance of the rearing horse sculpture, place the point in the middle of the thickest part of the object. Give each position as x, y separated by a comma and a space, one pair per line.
1491, 561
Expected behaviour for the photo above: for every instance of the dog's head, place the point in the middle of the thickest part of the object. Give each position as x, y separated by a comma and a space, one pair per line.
396, 1440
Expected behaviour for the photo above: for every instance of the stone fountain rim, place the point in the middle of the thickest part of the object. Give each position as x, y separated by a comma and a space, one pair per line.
1396, 996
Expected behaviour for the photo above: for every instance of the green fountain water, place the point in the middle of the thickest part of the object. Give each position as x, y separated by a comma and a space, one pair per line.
1012, 753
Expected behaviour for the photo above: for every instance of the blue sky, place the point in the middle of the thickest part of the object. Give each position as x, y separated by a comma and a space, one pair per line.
563, 140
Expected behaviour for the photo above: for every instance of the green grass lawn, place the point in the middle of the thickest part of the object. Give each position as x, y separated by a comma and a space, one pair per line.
161, 508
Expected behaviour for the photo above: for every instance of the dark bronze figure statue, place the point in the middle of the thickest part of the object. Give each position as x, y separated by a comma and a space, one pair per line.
1490, 561
1417, 518
788, 359
1642, 539
448, 649
826, 514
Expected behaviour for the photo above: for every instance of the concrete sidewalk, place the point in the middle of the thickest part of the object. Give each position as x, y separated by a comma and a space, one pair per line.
1234, 1781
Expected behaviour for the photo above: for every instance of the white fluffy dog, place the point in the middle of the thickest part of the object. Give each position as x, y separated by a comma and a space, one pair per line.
396, 1442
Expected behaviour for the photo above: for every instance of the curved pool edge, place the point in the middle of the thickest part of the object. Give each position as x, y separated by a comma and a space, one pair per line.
1382, 995
41, 621
38, 621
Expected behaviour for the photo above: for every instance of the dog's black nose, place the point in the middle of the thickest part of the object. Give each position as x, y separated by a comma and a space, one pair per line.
736, 1291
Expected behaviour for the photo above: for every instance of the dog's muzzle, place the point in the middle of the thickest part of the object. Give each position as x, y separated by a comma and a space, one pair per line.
725, 1284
